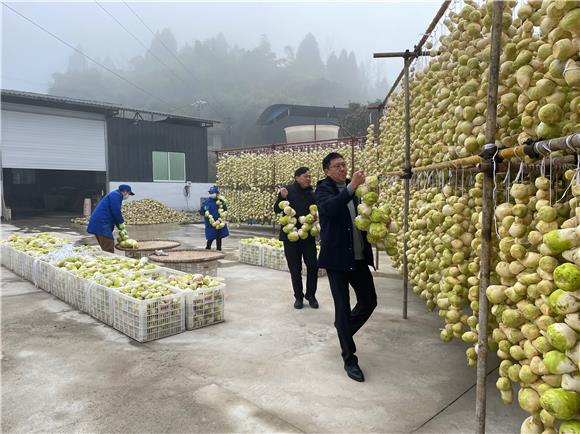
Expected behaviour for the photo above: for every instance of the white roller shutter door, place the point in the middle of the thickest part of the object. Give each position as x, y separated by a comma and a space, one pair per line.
44, 141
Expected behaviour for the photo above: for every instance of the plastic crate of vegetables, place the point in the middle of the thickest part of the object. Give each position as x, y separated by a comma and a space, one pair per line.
204, 297
148, 310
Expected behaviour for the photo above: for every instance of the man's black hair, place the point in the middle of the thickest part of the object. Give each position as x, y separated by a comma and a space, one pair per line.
332, 156
301, 171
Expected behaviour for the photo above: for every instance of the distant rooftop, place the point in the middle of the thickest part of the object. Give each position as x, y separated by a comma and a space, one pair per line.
278, 111
21, 97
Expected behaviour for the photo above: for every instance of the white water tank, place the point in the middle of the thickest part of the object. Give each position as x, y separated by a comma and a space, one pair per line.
307, 133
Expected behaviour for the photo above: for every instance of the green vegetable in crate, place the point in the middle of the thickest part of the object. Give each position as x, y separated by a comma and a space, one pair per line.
146, 290
191, 282
37, 244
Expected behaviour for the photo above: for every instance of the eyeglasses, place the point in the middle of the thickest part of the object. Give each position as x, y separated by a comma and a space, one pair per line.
338, 166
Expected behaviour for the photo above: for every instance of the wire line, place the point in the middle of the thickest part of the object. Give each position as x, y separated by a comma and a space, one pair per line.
136, 86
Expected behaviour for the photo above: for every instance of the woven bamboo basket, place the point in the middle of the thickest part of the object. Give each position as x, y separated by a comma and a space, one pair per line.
148, 247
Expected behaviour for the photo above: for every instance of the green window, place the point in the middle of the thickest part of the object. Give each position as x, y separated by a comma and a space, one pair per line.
168, 166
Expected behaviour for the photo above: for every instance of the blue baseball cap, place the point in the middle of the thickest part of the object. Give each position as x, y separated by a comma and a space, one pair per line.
213, 189
125, 187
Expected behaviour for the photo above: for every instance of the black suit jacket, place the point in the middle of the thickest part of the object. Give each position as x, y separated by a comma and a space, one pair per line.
336, 242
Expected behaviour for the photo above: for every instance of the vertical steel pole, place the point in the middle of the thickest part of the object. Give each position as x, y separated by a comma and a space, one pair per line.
487, 215
408, 60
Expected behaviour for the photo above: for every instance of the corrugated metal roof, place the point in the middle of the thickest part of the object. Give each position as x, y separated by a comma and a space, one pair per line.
93, 105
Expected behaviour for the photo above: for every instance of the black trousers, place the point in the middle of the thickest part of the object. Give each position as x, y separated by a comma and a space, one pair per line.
294, 252
218, 243
348, 322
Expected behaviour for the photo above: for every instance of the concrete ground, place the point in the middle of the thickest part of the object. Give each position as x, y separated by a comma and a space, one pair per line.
268, 368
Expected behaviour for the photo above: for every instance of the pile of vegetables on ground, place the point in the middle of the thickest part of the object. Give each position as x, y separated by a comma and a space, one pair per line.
148, 212
250, 179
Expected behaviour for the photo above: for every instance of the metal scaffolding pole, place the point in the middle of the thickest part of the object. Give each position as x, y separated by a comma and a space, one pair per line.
408, 57
490, 153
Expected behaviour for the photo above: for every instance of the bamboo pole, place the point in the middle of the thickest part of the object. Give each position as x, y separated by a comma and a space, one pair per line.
418, 47
408, 61
487, 215
536, 150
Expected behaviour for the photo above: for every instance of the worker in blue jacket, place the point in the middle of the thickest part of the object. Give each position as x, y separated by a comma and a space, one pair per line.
107, 215
211, 209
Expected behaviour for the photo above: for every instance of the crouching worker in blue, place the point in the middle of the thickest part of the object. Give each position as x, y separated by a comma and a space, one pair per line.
214, 210
107, 215
346, 255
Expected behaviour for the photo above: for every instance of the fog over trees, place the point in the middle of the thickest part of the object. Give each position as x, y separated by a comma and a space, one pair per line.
214, 78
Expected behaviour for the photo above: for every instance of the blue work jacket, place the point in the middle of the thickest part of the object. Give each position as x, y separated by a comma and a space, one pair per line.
107, 215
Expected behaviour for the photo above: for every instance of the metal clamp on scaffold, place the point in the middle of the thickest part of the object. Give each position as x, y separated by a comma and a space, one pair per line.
490, 156
491, 153
530, 149
407, 173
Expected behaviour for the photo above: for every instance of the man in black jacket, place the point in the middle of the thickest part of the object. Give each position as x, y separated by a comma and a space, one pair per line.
301, 197
346, 255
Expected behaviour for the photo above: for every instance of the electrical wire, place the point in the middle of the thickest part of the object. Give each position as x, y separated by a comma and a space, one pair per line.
221, 110
129, 82
140, 42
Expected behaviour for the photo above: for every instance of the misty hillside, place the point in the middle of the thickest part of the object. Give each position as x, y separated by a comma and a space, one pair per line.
219, 80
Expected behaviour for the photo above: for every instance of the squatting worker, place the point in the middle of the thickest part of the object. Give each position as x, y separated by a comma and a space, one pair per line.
301, 198
213, 209
107, 215
345, 254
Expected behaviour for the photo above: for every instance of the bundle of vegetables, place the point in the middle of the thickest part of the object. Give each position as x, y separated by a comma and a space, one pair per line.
37, 244
221, 222
372, 219
249, 178
537, 306
539, 92
250, 204
301, 227
124, 240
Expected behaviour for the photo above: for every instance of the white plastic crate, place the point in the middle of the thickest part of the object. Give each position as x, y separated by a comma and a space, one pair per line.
147, 320
99, 302
251, 254
204, 307
274, 257
18, 262
199, 303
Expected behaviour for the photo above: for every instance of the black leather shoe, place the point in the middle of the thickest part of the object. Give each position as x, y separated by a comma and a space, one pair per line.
298, 303
354, 372
312, 302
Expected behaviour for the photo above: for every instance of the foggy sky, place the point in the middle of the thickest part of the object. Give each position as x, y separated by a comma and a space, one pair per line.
30, 56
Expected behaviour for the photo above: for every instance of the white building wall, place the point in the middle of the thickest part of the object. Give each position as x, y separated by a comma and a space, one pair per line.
168, 193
